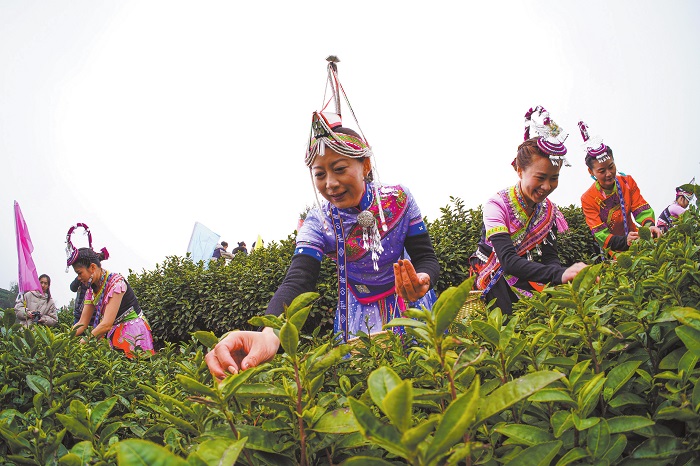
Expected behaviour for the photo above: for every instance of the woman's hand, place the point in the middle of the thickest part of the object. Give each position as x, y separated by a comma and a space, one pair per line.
411, 286
242, 350
632, 236
572, 271
655, 232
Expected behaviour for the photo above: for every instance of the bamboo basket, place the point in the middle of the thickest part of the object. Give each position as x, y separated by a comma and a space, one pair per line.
473, 306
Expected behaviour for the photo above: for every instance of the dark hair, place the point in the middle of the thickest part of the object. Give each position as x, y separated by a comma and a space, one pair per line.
224, 244
241, 243
352, 132
87, 256
48, 279
589, 160
526, 151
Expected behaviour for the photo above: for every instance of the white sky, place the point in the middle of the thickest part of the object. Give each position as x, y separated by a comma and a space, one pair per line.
141, 117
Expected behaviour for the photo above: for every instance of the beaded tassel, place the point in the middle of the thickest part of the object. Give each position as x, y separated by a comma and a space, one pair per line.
371, 239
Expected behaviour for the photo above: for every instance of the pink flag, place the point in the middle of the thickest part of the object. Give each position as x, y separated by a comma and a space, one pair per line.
28, 279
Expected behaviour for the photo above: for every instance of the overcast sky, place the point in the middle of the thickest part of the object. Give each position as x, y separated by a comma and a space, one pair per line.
140, 118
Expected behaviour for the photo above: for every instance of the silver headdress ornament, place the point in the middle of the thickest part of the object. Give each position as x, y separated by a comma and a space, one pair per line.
550, 135
593, 146
323, 136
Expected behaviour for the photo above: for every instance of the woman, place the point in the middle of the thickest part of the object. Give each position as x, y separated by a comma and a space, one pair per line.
671, 213
368, 229
37, 307
520, 223
110, 298
613, 200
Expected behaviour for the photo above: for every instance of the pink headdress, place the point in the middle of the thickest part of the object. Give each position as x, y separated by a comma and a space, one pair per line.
550, 136
594, 147
72, 252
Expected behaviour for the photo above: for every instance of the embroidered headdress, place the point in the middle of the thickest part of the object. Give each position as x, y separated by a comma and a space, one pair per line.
550, 136
323, 135
72, 252
595, 149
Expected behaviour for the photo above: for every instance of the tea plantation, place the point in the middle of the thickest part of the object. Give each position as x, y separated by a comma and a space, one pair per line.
601, 371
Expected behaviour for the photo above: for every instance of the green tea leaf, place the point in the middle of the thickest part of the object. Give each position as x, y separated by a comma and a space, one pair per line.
207, 339
339, 421
366, 461
380, 382
617, 447
538, 455
547, 395
456, 421
299, 317
487, 332
233, 382
195, 387
38, 384
690, 338
598, 439
289, 338
618, 377
70, 459
135, 452
687, 316
387, 437
65, 378
659, 448
572, 455
621, 424
413, 436
300, 302
447, 312
220, 451
398, 405
75, 427
100, 412
525, 435
514, 391
404, 322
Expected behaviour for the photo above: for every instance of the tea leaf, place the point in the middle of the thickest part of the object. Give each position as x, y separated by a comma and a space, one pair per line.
289, 338
487, 332
195, 387
687, 316
220, 451
38, 384
70, 459
456, 421
100, 412
514, 391
300, 302
621, 424
339, 421
524, 434
617, 447
538, 455
84, 451
386, 437
135, 452
233, 382
446, 313
75, 427
690, 338
618, 377
572, 455
598, 439
658, 448
412, 437
68, 377
207, 339
404, 322
551, 394
380, 382
398, 405
366, 461
299, 317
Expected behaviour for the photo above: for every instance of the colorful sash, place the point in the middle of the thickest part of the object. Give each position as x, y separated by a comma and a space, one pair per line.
537, 227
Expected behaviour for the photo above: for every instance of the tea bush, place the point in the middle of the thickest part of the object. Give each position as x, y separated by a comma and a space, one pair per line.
599, 371
180, 297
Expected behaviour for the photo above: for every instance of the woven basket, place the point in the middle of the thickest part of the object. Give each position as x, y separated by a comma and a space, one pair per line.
472, 306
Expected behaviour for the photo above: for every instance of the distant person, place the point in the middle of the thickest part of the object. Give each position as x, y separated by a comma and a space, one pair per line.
37, 307
112, 302
672, 212
79, 288
613, 201
241, 248
220, 251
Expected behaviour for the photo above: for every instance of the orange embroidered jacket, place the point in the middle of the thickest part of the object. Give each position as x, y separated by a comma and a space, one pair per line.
604, 214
